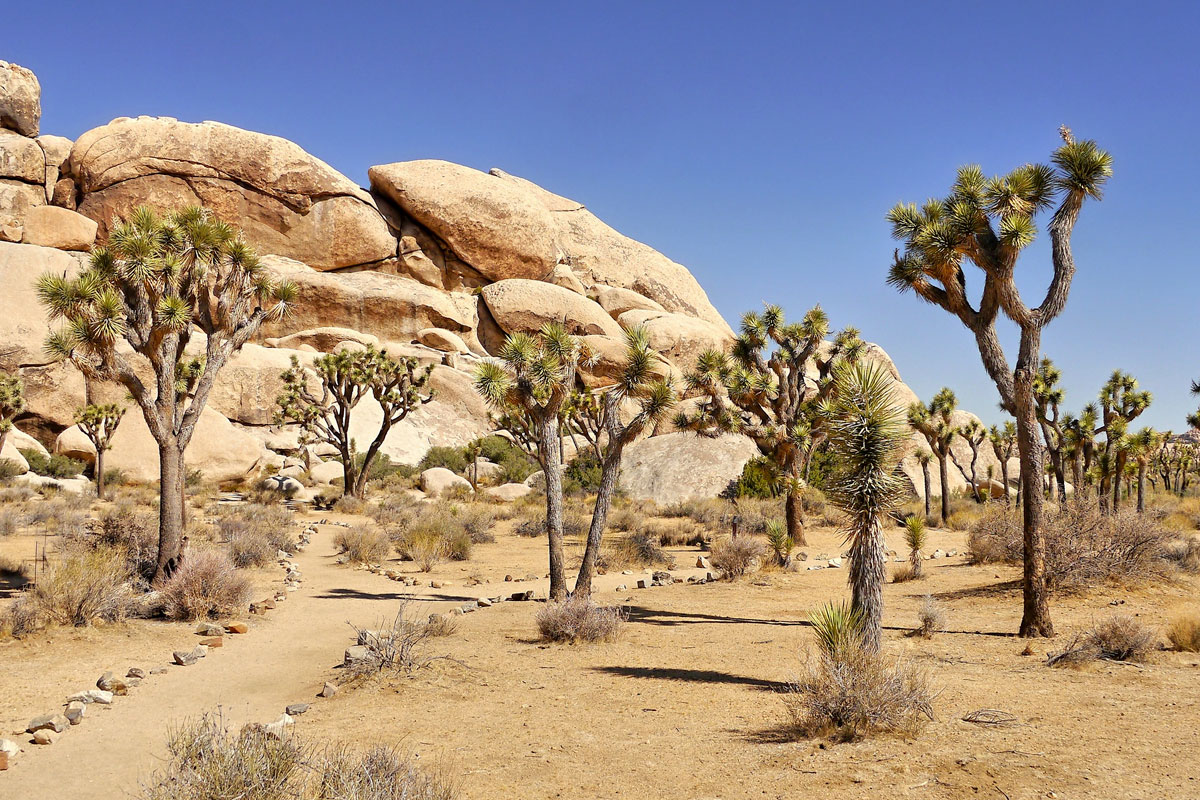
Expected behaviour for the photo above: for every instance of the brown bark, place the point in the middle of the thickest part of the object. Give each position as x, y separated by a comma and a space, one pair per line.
793, 510
944, 476
867, 568
610, 470
548, 454
1035, 621
99, 474
925, 476
170, 508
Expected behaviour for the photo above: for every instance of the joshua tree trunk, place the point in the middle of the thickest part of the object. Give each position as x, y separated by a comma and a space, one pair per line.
610, 470
1036, 618
1118, 479
925, 476
944, 476
99, 474
1004, 478
170, 509
793, 508
548, 454
1141, 484
867, 567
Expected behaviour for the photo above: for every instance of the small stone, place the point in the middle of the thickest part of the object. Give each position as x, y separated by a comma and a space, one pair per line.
522, 595
708, 576
292, 587
213, 641
159, 670
10, 748
467, 608
54, 722
815, 566
938, 554
74, 712
835, 563
135, 672
643, 583
283, 555
359, 652
801, 556
185, 658
508, 578
92, 696
237, 627
484, 602
3, 761
436, 584
44, 737
951, 553
621, 588
209, 629
110, 683
328, 690
662, 578
279, 726
296, 709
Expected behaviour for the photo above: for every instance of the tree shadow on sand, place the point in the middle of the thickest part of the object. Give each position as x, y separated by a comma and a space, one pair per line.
692, 676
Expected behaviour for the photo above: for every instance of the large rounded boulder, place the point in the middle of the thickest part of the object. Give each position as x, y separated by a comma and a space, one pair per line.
20, 99
682, 466
524, 305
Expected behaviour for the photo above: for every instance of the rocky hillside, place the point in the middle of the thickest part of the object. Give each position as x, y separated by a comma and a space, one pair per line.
434, 260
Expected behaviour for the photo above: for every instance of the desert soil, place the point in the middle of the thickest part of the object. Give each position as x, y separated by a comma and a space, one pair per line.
686, 703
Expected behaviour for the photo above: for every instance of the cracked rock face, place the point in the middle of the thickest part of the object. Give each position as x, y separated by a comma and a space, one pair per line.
285, 200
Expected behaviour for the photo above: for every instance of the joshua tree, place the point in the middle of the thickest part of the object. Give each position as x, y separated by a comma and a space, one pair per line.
1079, 444
638, 381
12, 403
1121, 402
914, 537
769, 389
1003, 441
346, 378
923, 458
1141, 447
974, 433
1193, 420
159, 281
781, 542
935, 423
99, 423
1047, 396
867, 433
989, 222
532, 379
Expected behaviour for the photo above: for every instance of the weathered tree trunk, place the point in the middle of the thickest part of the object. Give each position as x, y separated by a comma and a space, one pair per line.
925, 476
1035, 621
610, 470
793, 510
170, 508
99, 473
1141, 489
867, 567
1118, 479
1004, 478
548, 454
944, 476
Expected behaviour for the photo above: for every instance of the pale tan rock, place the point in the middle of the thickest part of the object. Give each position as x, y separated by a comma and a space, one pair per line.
524, 305
57, 150
616, 301
326, 472
324, 339
496, 227
508, 491
24, 325
285, 200
20, 158
11, 453
683, 466
54, 392
609, 355
20, 99
438, 480
219, 450
51, 226
442, 339
74, 443
63, 194
562, 276
16, 201
248, 385
678, 337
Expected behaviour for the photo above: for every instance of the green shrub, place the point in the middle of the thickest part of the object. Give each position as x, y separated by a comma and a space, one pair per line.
53, 466
451, 458
9, 469
582, 475
759, 478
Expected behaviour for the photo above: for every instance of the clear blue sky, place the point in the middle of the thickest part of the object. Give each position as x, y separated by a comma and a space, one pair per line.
760, 144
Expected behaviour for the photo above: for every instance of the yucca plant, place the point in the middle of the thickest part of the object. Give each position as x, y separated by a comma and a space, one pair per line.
531, 379
769, 387
158, 281
1141, 447
99, 423
780, 541
639, 381
346, 377
838, 628
914, 537
12, 403
935, 422
867, 433
988, 222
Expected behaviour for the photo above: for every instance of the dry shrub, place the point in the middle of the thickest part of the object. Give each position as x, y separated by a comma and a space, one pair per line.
850, 693
365, 544
932, 619
574, 525
349, 504
380, 773
131, 530
207, 584
1184, 633
1118, 638
396, 645
425, 546
11, 520
736, 557
441, 625
478, 520
1185, 554
629, 519
905, 573
1084, 548
86, 586
641, 549
15, 494
255, 533
578, 621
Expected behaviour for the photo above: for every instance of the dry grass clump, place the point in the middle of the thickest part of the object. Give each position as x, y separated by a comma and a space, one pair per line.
85, 587
1118, 638
640, 549
131, 530
736, 557
904, 573
1185, 554
932, 619
847, 692
256, 533
349, 504
574, 525
1084, 548
575, 621
1184, 633
396, 645
15, 494
365, 544
380, 773
11, 520
207, 584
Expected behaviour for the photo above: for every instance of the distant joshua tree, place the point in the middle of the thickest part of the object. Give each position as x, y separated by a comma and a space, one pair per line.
988, 222
1193, 420
935, 423
1003, 441
12, 403
1121, 402
1141, 447
769, 388
974, 434
99, 423
1048, 396
923, 458
867, 433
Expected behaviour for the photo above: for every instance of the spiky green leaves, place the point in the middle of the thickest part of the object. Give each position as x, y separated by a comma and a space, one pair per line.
99, 422
1082, 167
838, 628
12, 400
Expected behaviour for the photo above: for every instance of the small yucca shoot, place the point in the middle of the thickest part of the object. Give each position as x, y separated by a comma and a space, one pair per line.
838, 627
914, 536
781, 542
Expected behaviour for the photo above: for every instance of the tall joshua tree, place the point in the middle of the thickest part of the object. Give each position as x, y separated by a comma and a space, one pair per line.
974, 434
867, 433
1121, 402
769, 388
638, 381
988, 222
160, 280
935, 423
923, 458
346, 377
532, 379
1141, 447
1003, 441
12, 403
99, 423
1047, 397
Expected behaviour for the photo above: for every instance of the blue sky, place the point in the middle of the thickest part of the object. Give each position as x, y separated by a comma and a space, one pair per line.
760, 144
